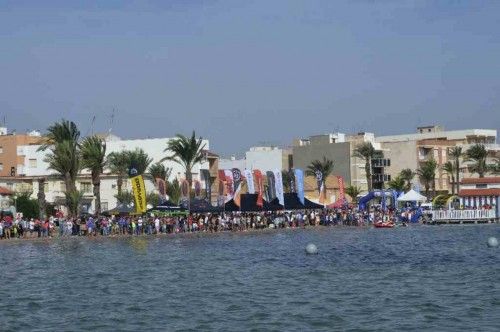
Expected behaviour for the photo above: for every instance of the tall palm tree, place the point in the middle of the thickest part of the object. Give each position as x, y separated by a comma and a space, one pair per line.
125, 197
64, 156
353, 192
174, 191
427, 174
118, 163
93, 153
323, 168
187, 152
139, 160
397, 184
159, 171
366, 151
456, 153
478, 154
407, 175
449, 168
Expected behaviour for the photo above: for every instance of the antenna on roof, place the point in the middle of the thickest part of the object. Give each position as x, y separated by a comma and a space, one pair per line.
111, 121
92, 125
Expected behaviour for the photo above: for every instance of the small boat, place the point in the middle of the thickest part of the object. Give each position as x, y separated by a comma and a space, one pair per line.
383, 225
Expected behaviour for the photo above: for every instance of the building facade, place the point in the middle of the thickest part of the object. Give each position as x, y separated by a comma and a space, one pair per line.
9, 157
433, 142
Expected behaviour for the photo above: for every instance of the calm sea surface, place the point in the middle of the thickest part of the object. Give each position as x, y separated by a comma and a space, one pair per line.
440, 278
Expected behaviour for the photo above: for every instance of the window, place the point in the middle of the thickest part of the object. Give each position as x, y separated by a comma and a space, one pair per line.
86, 187
481, 186
46, 187
32, 163
1, 149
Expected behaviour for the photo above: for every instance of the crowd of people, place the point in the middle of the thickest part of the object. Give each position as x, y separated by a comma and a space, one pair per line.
208, 222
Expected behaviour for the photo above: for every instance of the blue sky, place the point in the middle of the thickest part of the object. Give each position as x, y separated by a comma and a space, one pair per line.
250, 72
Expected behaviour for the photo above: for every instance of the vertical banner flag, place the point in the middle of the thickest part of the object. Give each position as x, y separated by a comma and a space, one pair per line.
270, 185
299, 182
161, 185
341, 189
228, 176
237, 195
139, 193
197, 188
321, 187
185, 189
250, 183
278, 182
260, 187
205, 173
236, 178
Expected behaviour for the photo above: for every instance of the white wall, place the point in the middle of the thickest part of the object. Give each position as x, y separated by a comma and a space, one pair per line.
264, 159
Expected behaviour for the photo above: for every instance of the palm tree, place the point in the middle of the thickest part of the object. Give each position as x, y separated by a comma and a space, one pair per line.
93, 153
159, 171
174, 191
353, 192
321, 168
449, 168
427, 174
153, 198
366, 151
407, 175
187, 152
64, 156
125, 197
478, 154
73, 200
139, 160
118, 164
398, 184
456, 153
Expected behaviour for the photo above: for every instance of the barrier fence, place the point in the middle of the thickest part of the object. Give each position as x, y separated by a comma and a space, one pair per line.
463, 214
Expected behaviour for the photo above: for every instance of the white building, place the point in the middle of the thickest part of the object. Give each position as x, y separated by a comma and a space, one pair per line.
267, 158
35, 167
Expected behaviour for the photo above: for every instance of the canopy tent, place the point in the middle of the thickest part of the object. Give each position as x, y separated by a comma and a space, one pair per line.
200, 205
249, 204
292, 202
167, 208
121, 209
412, 196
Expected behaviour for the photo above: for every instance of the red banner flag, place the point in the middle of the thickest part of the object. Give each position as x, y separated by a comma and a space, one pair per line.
260, 187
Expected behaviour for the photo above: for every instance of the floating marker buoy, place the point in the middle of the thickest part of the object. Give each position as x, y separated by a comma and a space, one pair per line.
492, 242
311, 249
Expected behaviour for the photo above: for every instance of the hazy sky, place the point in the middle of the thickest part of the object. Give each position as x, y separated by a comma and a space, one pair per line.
249, 72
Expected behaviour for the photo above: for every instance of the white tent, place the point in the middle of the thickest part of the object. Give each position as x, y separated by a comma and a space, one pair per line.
412, 196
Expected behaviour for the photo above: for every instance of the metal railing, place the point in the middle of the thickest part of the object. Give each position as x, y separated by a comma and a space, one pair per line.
463, 214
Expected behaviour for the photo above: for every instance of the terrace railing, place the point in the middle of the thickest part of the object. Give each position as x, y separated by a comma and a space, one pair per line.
463, 214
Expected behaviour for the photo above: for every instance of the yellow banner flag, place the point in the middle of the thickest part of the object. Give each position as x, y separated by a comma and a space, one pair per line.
139, 193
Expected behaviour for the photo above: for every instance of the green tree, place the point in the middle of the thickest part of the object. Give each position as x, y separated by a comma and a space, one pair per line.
397, 184
366, 151
427, 175
187, 152
139, 160
478, 154
159, 171
64, 156
124, 197
456, 153
73, 199
118, 163
495, 168
27, 205
449, 168
174, 191
93, 152
407, 175
153, 198
323, 167
353, 192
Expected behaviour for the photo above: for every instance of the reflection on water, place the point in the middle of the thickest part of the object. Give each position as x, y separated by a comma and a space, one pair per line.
415, 278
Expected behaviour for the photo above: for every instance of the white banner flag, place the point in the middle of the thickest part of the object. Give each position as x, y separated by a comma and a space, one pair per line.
249, 176
278, 182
